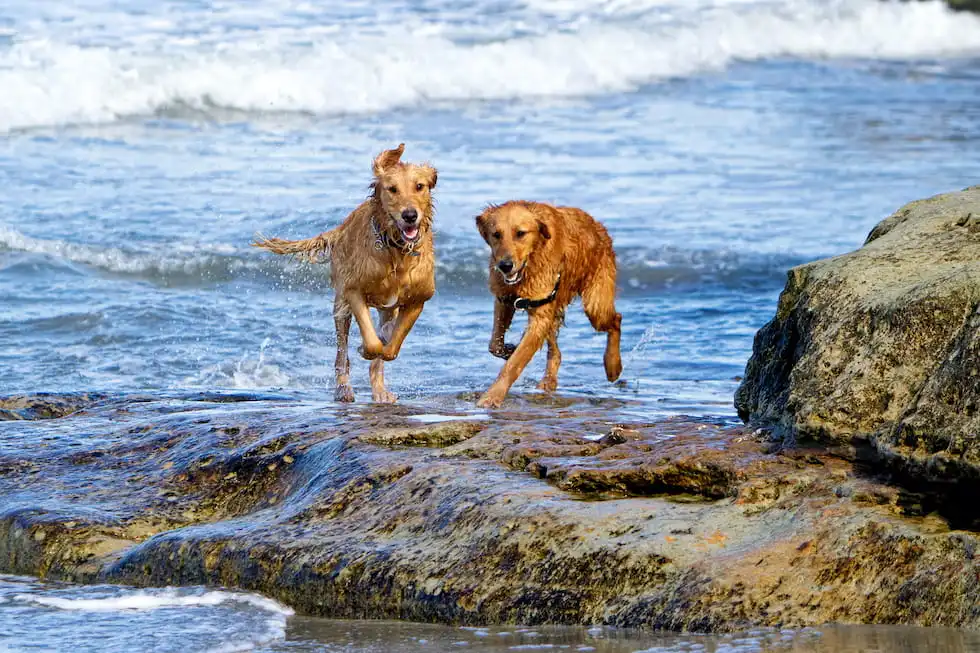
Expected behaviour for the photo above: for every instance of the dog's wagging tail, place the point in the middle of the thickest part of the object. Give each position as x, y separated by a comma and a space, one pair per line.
311, 250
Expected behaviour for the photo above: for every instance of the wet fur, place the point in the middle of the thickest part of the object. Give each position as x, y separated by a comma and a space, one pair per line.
391, 280
555, 239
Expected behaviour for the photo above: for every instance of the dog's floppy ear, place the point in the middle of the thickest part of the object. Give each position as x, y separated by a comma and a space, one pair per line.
544, 230
481, 225
387, 159
430, 174
546, 216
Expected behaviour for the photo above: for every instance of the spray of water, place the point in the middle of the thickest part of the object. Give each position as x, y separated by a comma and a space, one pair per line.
246, 373
630, 378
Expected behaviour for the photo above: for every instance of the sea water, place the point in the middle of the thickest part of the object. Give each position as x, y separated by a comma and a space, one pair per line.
722, 142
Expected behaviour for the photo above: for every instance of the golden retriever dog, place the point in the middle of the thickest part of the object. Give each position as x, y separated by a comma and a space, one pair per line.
541, 258
381, 257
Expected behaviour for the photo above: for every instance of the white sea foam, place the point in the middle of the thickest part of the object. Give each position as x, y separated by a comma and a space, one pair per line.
52, 82
150, 600
209, 263
273, 628
433, 418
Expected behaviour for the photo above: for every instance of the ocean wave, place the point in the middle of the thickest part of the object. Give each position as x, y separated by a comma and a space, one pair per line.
154, 600
254, 620
181, 265
460, 267
51, 82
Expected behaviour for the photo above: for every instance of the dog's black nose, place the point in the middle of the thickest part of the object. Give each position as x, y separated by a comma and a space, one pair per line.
505, 265
410, 215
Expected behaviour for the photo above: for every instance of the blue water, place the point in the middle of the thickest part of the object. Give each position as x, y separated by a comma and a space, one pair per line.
720, 141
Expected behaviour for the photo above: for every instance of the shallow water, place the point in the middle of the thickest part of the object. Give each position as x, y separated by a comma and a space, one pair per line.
51, 616
721, 142
320, 635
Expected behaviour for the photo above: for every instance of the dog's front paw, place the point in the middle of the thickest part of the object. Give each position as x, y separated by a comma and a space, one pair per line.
490, 399
384, 397
548, 384
504, 350
388, 353
344, 393
372, 351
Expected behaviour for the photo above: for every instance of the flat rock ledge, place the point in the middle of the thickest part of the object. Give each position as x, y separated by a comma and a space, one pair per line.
548, 512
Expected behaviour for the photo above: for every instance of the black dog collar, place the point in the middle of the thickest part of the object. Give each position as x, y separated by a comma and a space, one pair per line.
523, 303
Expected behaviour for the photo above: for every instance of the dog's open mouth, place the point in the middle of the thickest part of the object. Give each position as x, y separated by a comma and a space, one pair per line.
410, 232
514, 277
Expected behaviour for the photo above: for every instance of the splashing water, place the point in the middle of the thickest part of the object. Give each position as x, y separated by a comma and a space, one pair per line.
246, 373
650, 335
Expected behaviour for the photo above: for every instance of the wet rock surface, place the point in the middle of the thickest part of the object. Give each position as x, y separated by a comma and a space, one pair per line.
543, 513
876, 351
965, 5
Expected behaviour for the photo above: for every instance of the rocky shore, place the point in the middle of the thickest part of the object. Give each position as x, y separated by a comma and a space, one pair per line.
551, 512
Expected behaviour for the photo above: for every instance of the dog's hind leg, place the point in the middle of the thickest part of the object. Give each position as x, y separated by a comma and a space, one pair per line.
386, 324
378, 391
379, 394
599, 301
341, 319
549, 382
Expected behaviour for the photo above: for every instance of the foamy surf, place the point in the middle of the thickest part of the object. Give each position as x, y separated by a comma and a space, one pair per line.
436, 418
104, 617
214, 261
155, 600
50, 83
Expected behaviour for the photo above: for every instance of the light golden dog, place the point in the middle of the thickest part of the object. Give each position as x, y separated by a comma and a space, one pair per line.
381, 257
541, 258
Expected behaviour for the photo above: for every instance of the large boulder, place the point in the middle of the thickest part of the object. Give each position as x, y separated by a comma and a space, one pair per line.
878, 350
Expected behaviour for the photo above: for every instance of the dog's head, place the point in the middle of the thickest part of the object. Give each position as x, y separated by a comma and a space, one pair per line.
514, 231
404, 191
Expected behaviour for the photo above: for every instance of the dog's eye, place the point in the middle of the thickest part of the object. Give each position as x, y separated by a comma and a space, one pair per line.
520, 234
496, 235
419, 186
393, 190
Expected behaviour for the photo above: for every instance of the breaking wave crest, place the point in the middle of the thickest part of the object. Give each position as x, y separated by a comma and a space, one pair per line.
49, 82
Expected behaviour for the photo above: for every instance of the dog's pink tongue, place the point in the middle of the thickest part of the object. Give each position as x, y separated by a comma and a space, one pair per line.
411, 233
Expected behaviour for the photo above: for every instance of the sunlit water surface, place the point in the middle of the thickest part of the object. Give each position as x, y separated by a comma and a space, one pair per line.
721, 142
